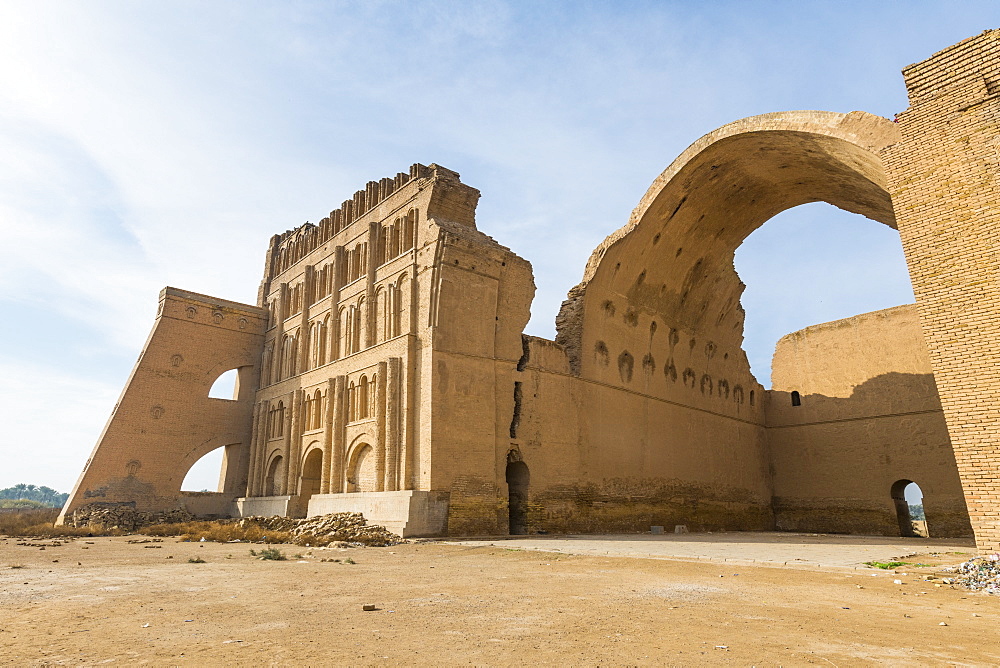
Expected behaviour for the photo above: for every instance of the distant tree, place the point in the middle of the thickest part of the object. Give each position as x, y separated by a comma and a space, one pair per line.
43, 494
917, 512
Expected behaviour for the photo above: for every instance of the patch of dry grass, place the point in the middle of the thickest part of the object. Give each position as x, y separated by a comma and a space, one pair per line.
40, 523
219, 532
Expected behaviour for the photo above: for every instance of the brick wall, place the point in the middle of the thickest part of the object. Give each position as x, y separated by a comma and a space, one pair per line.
943, 181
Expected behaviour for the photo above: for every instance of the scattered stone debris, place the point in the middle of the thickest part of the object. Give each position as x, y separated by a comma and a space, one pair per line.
348, 528
345, 529
978, 574
111, 516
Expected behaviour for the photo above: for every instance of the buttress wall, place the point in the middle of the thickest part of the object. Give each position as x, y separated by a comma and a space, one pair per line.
165, 421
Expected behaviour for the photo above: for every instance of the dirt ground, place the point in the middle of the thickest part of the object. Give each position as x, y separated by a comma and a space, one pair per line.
106, 600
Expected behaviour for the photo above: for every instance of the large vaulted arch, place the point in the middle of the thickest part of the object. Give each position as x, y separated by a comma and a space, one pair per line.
673, 261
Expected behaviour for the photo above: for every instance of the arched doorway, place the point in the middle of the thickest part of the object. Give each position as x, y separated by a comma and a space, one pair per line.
312, 473
274, 482
517, 497
906, 495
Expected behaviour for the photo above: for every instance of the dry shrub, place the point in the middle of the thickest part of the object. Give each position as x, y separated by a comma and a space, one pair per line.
12, 522
40, 523
220, 532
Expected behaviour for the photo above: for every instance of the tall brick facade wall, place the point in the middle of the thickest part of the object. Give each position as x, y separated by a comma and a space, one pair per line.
943, 179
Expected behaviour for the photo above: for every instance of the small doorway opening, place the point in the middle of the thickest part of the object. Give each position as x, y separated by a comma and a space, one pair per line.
909, 502
517, 497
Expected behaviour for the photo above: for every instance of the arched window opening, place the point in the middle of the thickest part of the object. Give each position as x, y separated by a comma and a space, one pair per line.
409, 231
401, 311
226, 386
391, 299
381, 329
351, 331
394, 238
908, 500
323, 335
206, 473
343, 325
307, 410
276, 420
796, 398
363, 398
359, 338
352, 403
317, 410
266, 364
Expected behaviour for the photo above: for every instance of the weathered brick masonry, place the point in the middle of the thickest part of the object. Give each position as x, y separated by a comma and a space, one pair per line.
945, 183
384, 368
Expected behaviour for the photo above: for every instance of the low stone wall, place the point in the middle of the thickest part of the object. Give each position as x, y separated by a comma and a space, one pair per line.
406, 513
264, 506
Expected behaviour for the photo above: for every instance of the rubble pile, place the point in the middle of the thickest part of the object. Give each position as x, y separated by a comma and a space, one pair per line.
325, 529
109, 516
979, 573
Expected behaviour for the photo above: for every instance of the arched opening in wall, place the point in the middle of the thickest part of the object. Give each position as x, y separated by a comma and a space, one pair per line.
312, 473
361, 473
274, 481
206, 474
226, 386
517, 477
814, 264
907, 498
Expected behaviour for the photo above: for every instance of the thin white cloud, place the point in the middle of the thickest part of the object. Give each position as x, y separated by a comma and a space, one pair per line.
51, 422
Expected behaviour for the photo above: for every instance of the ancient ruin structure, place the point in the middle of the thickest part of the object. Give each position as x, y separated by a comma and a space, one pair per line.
384, 368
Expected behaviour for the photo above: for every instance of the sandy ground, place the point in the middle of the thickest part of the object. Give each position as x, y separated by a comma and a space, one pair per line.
105, 600
745, 548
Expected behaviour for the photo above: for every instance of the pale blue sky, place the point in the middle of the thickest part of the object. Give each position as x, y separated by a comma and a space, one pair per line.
147, 144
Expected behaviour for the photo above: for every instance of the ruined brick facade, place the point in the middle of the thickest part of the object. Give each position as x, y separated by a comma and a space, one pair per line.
384, 368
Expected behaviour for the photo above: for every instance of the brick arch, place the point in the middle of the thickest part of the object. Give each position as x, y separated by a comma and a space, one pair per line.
674, 258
